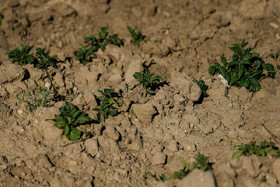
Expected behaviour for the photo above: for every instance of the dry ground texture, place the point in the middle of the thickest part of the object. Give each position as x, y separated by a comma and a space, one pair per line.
150, 133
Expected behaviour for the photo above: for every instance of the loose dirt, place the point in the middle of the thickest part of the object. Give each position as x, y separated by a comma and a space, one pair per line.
150, 133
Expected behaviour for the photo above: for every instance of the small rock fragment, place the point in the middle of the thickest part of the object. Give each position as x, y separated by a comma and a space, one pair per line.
198, 178
134, 66
144, 112
91, 146
172, 146
10, 72
111, 132
276, 169
186, 86
158, 158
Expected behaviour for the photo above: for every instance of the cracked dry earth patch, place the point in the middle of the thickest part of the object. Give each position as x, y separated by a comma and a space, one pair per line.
150, 133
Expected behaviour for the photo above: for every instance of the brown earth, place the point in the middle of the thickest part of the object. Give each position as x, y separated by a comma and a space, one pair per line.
151, 133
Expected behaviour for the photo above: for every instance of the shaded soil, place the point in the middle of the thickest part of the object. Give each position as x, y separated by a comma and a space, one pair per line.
150, 133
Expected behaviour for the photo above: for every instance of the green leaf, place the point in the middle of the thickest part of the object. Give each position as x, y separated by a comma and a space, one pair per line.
270, 70
221, 70
212, 69
76, 113
163, 178
254, 85
240, 70
59, 121
83, 119
255, 54
137, 75
244, 45
237, 154
112, 112
232, 63
66, 130
75, 134
224, 60
236, 50
245, 61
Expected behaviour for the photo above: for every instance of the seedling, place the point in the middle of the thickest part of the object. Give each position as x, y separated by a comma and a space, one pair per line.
41, 60
148, 80
70, 117
243, 69
264, 149
44, 60
2, 15
86, 53
203, 88
39, 98
107, 96
20, 55
107, 105
137, 38
201, 163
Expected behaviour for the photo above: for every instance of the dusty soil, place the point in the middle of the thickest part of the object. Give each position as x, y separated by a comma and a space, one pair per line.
149, 134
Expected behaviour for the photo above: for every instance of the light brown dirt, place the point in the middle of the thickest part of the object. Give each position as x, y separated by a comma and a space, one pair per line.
151, 133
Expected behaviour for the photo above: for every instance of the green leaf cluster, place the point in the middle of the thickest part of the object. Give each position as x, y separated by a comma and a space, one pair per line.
244, 68
21, 55
264, 149
86, 53
201, 163
148, 80
2, 15
69, 118
44, 60
203, 87
39, 98
137, 37
41, 60
107, 105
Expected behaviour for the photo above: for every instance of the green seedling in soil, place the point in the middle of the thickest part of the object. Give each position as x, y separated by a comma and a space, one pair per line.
107, 96
41, 60
107, 102
201, 163
243, 68
264, 149
69, 118
93, 43
137, 37
2, 15
21, 55
148, 80
203, 88
44, 60
39, 98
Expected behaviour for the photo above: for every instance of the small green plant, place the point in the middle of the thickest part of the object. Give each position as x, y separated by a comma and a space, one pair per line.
2, 15
203, 88
86, 53
264, 149
21, 55
107, 103
137, 37
69, 118
201, 163
41, 60
148, 80
244, 68
41, 97
44, 60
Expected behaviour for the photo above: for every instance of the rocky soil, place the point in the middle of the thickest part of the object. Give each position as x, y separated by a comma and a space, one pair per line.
150, 133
